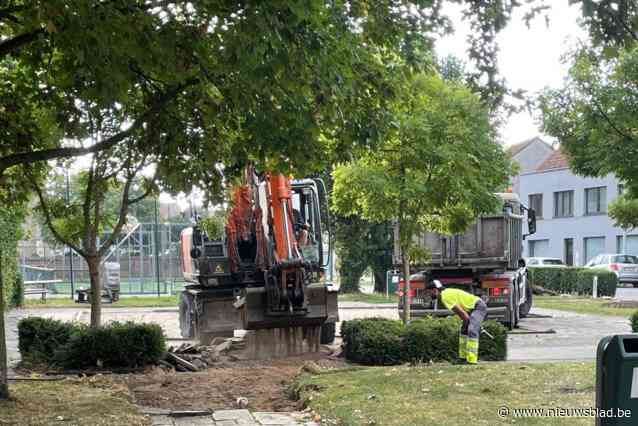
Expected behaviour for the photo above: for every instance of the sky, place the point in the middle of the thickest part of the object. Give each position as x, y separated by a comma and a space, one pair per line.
529, 58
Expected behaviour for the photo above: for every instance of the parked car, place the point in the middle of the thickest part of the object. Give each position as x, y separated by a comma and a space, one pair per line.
551, 262
625, 266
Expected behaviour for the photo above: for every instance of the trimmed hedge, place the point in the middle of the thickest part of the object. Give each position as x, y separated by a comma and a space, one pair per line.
73, 345
373, 341
574, 280
634, 322
39, 338
376, 341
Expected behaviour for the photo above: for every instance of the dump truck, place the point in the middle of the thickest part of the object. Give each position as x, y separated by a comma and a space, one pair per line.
268, 269
485, 260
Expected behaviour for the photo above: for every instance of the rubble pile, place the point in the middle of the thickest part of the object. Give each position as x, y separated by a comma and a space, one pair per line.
196, 357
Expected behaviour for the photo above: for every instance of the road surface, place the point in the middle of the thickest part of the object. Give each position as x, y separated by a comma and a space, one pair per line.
574, 336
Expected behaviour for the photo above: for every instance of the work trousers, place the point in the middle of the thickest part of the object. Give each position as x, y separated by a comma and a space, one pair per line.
470, 333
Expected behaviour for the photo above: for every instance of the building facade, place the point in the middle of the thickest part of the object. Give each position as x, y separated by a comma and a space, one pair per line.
571, 211
528, 154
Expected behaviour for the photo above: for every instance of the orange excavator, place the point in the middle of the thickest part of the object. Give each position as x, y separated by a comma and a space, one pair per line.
270, 268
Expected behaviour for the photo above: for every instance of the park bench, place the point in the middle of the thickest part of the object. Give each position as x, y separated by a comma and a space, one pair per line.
39, 287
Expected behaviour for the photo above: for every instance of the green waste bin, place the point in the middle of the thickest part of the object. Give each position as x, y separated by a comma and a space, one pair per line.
617, 380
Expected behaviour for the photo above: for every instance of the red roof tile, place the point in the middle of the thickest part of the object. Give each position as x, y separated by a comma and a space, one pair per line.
555, 161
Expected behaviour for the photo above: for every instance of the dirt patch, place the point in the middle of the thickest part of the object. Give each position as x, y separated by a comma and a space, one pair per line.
264, 384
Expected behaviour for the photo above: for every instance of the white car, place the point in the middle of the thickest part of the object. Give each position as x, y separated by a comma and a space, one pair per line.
625, 266
546, 262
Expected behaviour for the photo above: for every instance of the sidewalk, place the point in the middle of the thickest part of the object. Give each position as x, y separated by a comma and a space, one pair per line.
230, 418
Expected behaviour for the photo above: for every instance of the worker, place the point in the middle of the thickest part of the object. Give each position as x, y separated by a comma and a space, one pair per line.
472, 311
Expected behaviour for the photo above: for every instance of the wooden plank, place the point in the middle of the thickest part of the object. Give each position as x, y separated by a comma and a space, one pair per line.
181, 362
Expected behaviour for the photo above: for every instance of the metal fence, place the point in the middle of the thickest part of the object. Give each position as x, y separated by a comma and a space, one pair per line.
148, 255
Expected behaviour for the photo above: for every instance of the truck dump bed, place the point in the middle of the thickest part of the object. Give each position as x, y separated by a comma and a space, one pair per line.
493, 241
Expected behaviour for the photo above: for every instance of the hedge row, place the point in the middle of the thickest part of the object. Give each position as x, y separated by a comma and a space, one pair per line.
380, 341
574, 280
73, 345
634, 322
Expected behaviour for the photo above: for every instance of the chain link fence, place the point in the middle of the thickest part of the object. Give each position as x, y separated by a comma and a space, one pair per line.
147, 253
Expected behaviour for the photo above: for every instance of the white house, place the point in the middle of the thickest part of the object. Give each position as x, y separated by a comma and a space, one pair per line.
528, 154
572, 220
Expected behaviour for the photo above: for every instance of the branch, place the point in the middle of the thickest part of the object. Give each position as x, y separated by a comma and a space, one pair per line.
121, 220
50, 154
9, 46
47, 216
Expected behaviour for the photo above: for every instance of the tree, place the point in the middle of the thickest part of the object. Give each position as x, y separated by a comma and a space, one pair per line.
80, 221
594, 116
436, 171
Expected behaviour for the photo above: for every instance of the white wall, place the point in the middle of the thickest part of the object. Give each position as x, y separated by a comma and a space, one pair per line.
578, 227
529, 159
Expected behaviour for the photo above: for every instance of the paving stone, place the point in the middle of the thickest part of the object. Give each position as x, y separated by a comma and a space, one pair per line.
275, 419
194, 421
162, 420
236, 415
226, 423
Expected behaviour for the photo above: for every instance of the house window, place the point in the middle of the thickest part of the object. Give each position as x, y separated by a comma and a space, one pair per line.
593, 247
539, 248
596, 200
628, 247
563, 203
536, 204
569, 251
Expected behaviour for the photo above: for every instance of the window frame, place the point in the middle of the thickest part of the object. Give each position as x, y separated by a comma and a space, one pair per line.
601, 201
561, 195
539, 212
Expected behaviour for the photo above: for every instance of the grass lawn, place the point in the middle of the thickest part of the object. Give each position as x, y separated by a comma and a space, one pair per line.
581, 305
443, 394
68, 403
124, 302
368, 298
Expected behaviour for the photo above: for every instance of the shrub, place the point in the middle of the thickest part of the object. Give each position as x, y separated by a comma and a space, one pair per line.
634, 322
39, 338
17, 293
432, 339
72, 345
373, 341
377, 341
437, 339
574, 280
115, 345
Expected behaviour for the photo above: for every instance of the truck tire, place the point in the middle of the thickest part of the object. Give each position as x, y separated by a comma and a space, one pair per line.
527, 306
327, 336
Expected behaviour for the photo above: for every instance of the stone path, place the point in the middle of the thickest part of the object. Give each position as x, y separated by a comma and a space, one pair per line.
230, 418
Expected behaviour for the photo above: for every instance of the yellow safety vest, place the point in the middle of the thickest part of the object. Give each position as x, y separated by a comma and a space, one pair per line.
452, 297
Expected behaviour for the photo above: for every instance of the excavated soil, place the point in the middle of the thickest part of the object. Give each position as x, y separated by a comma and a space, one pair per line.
264, 384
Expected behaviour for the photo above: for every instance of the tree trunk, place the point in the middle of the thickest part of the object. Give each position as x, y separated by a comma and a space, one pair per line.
96, 291
380, 284
405, 259
350, 280
4, 382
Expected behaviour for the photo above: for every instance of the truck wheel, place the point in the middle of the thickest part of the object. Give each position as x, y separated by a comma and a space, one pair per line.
327, 333
514, 309
527, 306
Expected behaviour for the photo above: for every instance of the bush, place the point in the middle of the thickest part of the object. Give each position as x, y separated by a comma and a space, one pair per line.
437, 339
72, 345
373, 341
574, 280
115, 345
377, 341
17, 293
634, 322
39, 338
